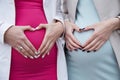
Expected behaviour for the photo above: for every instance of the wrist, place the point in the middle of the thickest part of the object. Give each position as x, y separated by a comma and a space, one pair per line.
115, 23
61, 25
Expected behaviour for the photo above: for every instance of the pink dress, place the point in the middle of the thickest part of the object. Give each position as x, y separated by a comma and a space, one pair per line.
30, 12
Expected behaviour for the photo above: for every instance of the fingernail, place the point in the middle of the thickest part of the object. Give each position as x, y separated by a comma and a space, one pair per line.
36, 57
33, 29
25, 56
36, 53
48, 53
83, 28
94, 50
88, 51
36, 28
31, 57
76, 50
80, 29
83, 50
43, 56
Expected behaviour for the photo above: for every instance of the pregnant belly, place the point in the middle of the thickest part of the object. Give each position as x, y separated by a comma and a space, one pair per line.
105, 51
93, 64
35, 37
22, 68
21, 64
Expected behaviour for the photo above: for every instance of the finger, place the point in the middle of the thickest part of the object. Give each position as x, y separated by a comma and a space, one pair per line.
76, 28
76, 46
41, 26
95, 46
24, 53
89, 28
71, 47
91, 44
30, 46
44, 43
89, 40
28, 50
67, 46
27, 54
100, 45
49, 48
24, 28
44, 50
74, 40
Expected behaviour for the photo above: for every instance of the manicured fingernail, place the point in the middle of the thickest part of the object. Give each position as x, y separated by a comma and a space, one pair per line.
33, 29
88, 51
43, 56
83, 28
94, 50
36, 28
36, 57
80, 29
83, 50
76, 50
36, 53
31, 57
48, 53
25, 56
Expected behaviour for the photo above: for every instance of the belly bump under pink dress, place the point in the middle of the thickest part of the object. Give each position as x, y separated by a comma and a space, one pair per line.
30, 12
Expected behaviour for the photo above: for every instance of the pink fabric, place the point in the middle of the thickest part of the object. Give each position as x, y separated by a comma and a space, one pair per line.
30, 12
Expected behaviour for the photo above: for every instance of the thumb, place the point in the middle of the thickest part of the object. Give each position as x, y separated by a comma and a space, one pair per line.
41, 26
76, 28
88, 28
24, 28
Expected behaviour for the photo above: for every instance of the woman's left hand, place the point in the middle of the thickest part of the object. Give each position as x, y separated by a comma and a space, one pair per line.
101, 34
53, 32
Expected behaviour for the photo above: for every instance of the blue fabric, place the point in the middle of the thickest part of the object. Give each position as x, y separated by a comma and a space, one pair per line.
100, 65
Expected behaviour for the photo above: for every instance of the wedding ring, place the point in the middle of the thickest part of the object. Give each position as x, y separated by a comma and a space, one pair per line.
20, 48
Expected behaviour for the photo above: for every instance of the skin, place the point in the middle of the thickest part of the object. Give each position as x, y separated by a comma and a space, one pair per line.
53, 32
15, 37
102, 32
71, 42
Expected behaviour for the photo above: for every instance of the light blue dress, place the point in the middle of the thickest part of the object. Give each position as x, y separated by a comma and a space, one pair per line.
100, 65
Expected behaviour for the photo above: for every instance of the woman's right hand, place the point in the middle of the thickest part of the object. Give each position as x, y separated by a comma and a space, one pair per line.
16, 38
71, 42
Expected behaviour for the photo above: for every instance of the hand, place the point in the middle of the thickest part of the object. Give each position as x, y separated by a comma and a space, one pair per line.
102, 32
53, 32
16, 38
71, 42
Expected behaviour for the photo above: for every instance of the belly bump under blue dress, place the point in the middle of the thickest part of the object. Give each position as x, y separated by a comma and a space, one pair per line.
100, 65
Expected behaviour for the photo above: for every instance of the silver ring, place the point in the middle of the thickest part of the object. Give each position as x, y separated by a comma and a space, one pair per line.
20, 48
